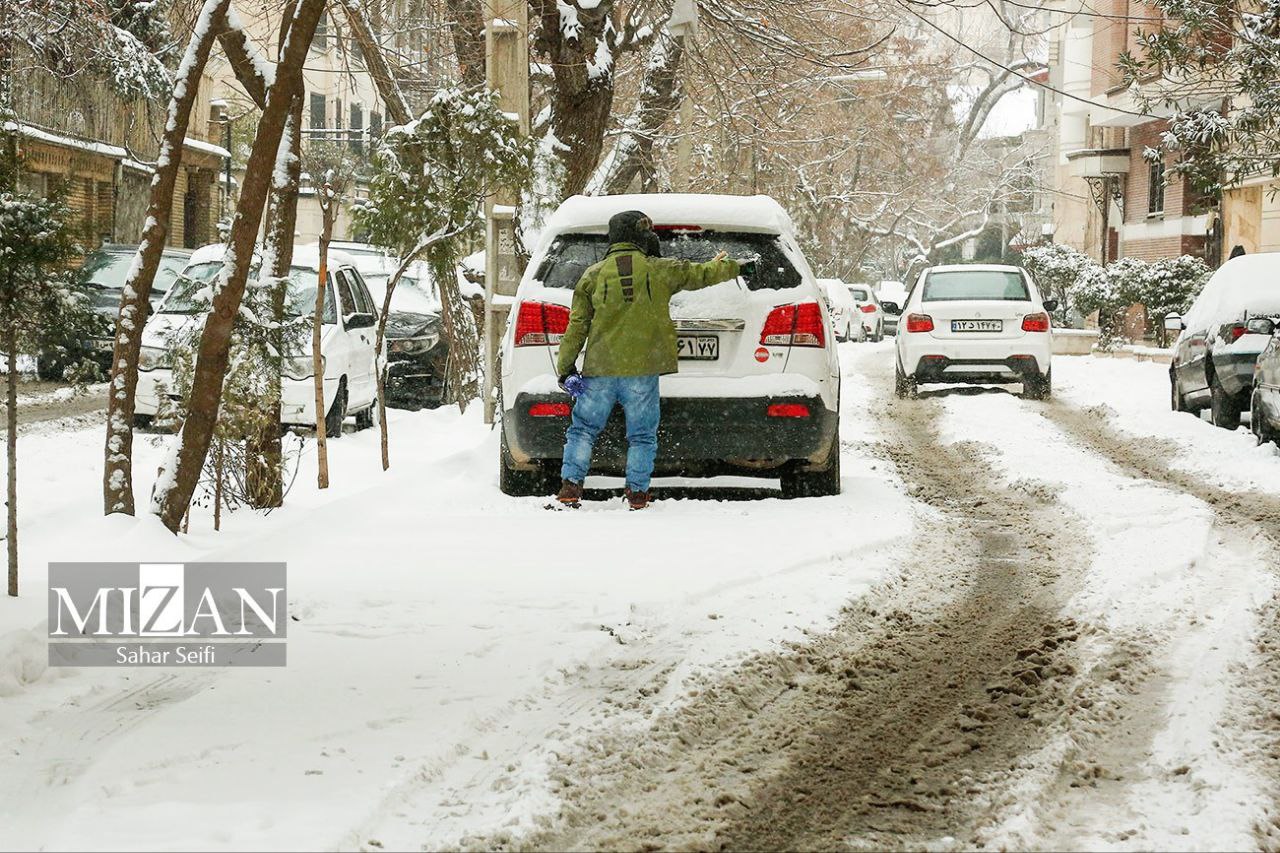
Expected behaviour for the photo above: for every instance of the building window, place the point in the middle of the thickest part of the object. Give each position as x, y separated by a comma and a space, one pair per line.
317, 116
375, 126
357, 128
320, 41
1155, 188
337, 116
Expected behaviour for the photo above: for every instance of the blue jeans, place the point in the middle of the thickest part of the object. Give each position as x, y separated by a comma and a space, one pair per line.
640, 403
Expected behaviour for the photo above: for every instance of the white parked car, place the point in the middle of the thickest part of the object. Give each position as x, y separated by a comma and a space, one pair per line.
347, 343
844, 313
759, 380
975, 323
870, 313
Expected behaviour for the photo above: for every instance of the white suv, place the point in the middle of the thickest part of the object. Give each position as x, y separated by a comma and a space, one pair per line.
975, 323
759, 380
347, 340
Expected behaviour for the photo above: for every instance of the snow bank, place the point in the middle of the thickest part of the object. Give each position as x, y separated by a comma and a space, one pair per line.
433, 619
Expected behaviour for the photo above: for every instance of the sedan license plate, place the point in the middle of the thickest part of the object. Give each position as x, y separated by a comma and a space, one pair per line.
977, 325
102, 345
698, 347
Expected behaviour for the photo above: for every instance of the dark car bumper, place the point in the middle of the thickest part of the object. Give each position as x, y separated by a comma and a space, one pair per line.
696, 436
1235, 372
942, 369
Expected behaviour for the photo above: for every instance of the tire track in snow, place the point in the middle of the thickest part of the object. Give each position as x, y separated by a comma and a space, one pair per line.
929, 691
1247, 518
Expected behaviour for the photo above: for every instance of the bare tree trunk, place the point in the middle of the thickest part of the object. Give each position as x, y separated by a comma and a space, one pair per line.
11, 454
581, 98
377, 349
218, 470
117, 476
467, 30
659, 98
317, 328
376, 62
265, 474
181, 475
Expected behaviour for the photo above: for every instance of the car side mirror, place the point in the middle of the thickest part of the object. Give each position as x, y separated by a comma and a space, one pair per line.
1261, 326
1050, 305
1173, 323
358, 321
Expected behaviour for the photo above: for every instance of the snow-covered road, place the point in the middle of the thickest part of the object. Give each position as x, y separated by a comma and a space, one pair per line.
1022, 625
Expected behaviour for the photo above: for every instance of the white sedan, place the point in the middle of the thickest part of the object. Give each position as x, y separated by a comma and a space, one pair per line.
977, 324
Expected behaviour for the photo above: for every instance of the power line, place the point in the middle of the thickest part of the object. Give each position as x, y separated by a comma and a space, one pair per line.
1032, 81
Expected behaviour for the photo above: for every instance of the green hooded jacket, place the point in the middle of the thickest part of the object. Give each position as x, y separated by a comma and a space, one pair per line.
621, 311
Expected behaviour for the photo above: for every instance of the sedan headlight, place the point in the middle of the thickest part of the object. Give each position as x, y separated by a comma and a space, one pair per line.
410, 346
154, 358
300, 367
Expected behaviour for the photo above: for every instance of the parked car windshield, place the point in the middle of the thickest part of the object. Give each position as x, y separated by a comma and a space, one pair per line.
300, 295
571, 254
975, 284
110, 269
410, 295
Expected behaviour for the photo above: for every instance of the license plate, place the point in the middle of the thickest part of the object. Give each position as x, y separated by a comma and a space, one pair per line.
698, 347
977, 325
103, 346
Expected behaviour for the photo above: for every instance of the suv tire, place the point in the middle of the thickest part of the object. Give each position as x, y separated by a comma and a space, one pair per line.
824, 482
521, 484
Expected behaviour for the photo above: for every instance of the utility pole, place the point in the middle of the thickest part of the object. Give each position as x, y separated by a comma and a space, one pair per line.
506, 59
683, 25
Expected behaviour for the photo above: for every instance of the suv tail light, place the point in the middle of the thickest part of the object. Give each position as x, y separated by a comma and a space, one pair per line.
867, 309
919, 323
1038, 322
1236, 331
540, 324
795, 325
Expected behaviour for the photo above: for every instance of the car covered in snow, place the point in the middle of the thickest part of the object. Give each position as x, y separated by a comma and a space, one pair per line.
975, 323
347, 342
1218, 344
759, 379
103, 273
871, 314
844, 313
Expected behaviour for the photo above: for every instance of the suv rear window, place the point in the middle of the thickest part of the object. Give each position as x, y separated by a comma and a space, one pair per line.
975, 284
571, 254
859, 294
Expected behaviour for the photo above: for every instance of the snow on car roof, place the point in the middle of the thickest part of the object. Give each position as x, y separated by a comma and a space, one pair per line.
1249, 283
590, 214
974, 268
306, 257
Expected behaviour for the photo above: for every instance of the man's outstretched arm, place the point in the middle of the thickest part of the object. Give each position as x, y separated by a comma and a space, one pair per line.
686, 275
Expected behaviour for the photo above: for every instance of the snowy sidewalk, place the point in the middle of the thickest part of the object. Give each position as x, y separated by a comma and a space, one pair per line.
432, 611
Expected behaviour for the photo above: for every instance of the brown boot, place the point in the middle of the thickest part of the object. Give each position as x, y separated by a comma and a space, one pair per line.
637, 500
570, 493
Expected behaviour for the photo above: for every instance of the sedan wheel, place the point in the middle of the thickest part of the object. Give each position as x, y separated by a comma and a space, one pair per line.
1176, 401
1258, 423
1224, 408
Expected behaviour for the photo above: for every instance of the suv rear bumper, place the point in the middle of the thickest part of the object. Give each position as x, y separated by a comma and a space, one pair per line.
700, 436
943, 369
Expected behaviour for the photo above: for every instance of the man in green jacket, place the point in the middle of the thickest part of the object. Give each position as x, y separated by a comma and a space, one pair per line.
621, 312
